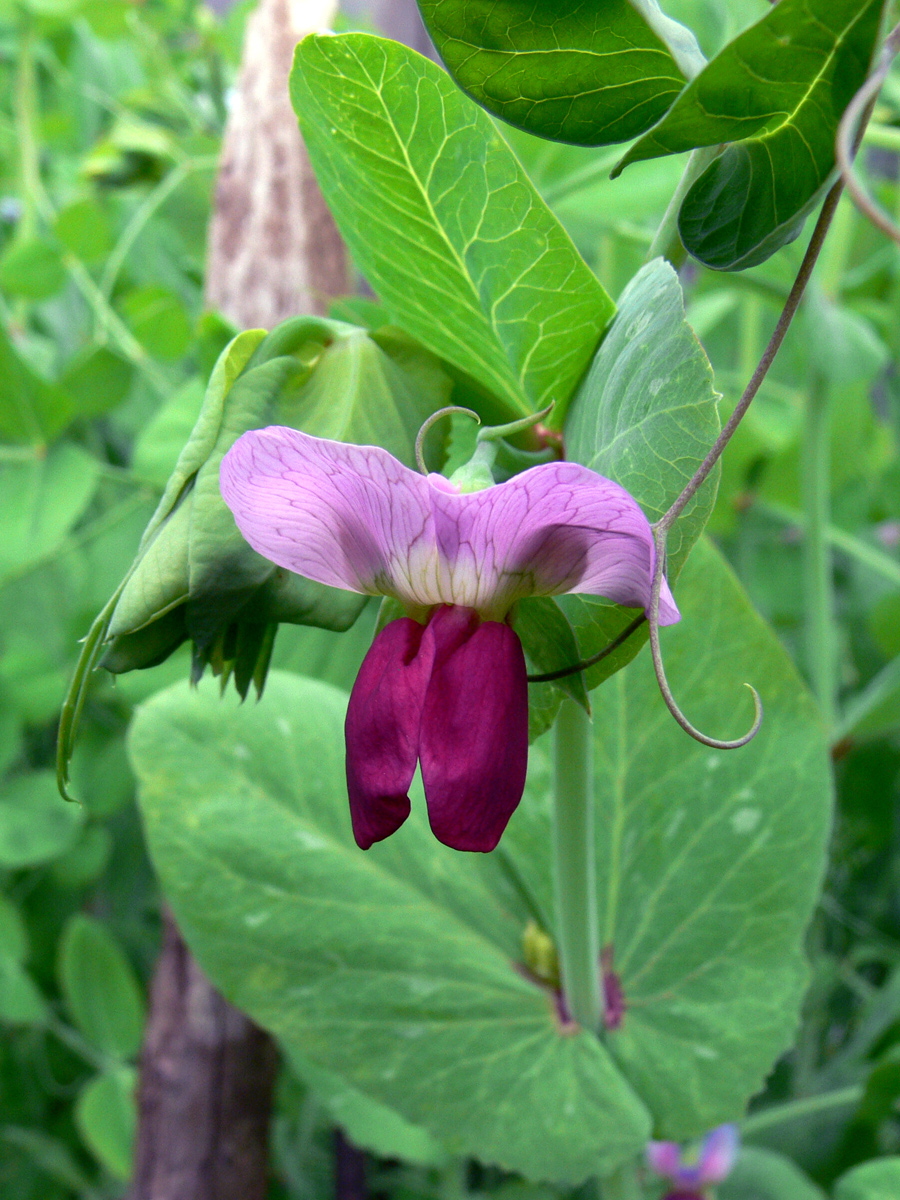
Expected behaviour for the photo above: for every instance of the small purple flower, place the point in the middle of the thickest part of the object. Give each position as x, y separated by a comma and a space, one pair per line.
713, 1163
446, 685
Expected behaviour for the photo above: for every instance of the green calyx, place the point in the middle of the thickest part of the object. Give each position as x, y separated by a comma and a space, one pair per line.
494, 459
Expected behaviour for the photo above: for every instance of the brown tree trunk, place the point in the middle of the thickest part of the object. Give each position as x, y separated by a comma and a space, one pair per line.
274, 250
206, 1090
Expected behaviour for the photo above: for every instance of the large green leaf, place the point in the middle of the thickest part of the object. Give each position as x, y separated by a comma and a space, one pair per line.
395, 968
645, 416
876, 1180
709, 862
776, 93
562, 69
443, 221
368, 1124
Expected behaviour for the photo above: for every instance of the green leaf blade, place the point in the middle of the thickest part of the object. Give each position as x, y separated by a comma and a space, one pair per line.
708, 862
645, 416
776, 94
565, 71
705, 903
443, 221
875, 1180
394, 969
101, 989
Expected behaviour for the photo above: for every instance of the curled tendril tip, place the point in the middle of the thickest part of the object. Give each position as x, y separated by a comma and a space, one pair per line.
661, 533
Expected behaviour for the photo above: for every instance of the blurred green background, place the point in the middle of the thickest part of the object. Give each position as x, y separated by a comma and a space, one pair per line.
111, 118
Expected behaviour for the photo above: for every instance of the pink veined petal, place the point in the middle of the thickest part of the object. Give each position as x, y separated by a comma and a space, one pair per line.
331, 512
473, 743
664, 1158
555, 528
354, 517
717, 1154
382, 729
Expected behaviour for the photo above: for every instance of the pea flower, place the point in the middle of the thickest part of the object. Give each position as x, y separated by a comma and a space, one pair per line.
691, 1178
444, 686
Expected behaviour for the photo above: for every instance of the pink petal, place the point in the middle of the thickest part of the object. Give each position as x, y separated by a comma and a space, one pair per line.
556, 528
326, 510
664, 1158
354, 517
474, 736
382, 729
718, 1153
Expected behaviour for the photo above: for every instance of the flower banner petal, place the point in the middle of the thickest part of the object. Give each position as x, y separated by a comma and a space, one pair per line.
326, 510
555, 528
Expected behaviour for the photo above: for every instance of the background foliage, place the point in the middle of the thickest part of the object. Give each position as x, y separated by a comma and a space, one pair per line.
110, 119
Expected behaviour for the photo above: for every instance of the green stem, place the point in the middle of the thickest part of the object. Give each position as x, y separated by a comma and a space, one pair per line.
885, 684
667, 241
142, 214
621, 1185
818, 583
867, 555
576, 887
26, 121
793, 1110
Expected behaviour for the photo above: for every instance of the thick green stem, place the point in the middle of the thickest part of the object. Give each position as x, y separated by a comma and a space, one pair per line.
667, 241
794, 1110
576, 886
818, 582
26, 123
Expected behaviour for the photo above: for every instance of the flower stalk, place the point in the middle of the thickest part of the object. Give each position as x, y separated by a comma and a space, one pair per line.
578, 935
818, 582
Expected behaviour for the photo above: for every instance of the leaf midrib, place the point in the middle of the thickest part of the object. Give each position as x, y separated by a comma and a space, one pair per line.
438, 226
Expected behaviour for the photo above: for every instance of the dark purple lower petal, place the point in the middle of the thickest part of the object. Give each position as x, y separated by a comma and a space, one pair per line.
382, 729
473, 743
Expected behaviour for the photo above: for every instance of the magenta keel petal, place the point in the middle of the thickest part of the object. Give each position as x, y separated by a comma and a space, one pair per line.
473, 743
382, 729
